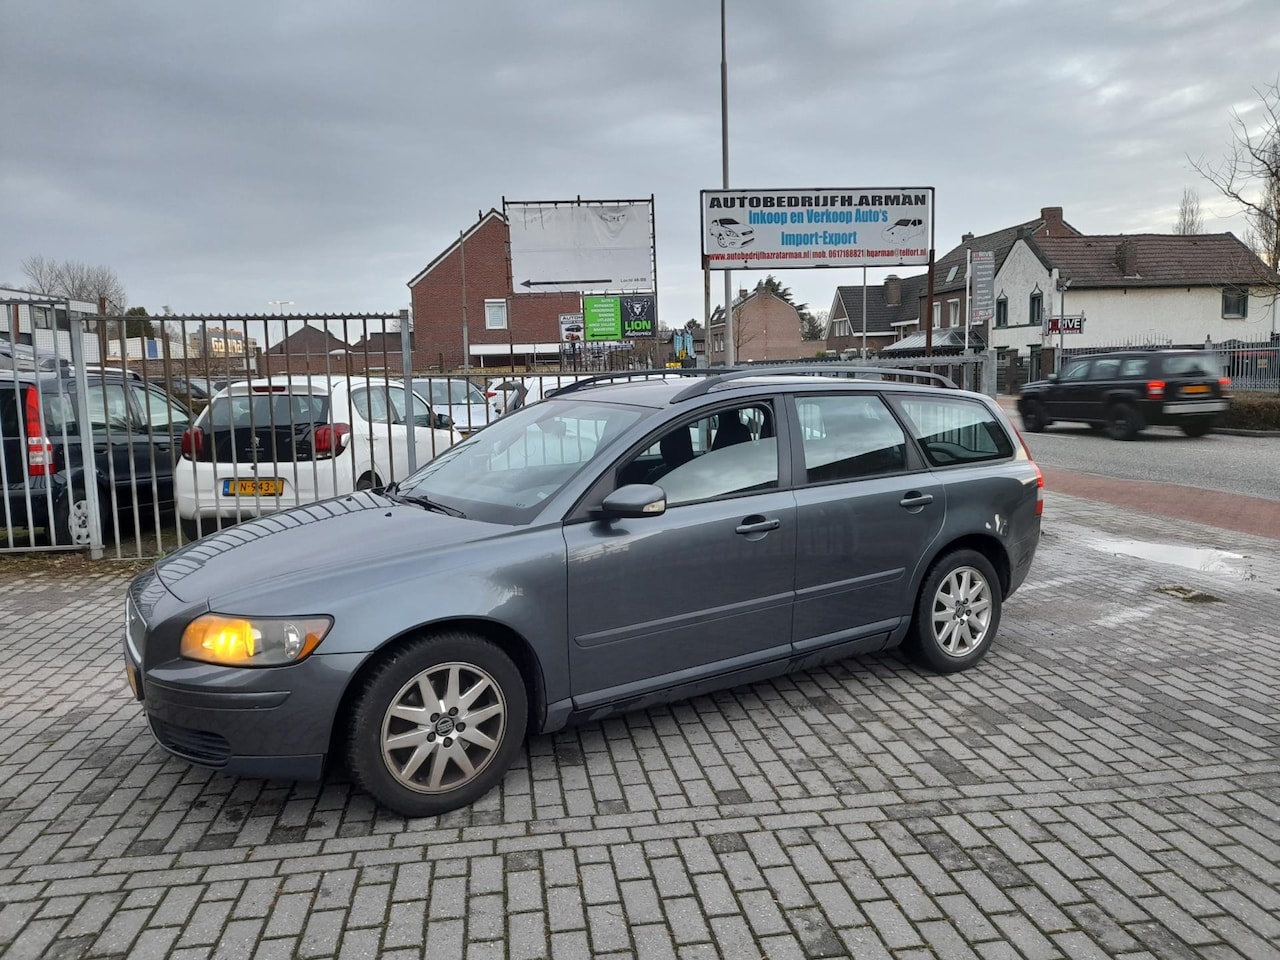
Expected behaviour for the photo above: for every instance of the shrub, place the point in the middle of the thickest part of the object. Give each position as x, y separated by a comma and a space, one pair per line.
1254, 411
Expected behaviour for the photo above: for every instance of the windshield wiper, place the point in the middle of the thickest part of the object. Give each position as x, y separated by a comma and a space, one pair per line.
429, 504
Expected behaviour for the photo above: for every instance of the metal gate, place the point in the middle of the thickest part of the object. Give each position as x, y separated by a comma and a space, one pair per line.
131, 436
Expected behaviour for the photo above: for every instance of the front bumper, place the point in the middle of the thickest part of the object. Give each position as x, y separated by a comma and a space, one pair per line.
270, 722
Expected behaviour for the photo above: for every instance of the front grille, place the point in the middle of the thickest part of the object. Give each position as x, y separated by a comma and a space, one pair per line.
198, 745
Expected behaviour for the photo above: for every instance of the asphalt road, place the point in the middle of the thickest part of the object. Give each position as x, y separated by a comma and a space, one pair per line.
1231, 464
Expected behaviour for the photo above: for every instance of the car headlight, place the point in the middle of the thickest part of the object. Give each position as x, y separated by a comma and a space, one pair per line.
252, 642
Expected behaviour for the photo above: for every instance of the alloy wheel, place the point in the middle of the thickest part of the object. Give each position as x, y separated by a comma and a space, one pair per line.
962, 611
443, 727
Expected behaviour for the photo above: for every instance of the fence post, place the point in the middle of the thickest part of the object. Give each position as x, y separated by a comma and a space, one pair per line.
88, 458
989, 361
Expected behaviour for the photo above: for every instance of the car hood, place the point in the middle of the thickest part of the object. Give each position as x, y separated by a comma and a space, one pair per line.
303, 549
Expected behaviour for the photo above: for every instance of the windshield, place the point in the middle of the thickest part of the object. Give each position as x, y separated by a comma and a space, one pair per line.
505, 472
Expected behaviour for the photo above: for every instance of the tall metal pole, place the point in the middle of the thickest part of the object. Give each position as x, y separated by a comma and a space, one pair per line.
466, 334
864, 313
730, 354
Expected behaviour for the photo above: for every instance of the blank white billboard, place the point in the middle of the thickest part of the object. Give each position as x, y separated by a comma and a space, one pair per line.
573, 247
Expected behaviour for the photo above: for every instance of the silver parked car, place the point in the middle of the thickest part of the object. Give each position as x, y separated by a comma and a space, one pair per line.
625, 542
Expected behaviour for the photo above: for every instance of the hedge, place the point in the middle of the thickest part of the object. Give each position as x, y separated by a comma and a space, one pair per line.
1254, 411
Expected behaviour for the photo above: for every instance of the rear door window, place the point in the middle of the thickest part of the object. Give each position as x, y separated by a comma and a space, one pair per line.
109, 407
849, 437
1135, 367
1191, 365
955, 431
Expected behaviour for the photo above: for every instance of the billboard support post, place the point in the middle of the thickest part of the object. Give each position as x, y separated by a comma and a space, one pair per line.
730, 354
864, 313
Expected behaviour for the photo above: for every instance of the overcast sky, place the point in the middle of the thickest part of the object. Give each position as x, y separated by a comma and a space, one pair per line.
218, 156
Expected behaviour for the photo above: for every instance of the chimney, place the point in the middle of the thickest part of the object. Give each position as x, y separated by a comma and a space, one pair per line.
1052, 217
966, 238
742, 293
1127, 258
892, 291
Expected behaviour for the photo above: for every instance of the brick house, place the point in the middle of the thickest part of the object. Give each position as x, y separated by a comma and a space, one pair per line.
504, 329
893, 311
308, 349
766, 327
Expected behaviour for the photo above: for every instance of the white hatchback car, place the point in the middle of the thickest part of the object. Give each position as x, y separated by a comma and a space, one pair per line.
266, 445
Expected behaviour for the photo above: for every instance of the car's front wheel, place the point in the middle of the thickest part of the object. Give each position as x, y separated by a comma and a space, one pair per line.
1034, 417
436, 724
957, 613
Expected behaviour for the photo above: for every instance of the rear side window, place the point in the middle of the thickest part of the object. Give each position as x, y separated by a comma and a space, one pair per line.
1191, 365
849, 437
955, 431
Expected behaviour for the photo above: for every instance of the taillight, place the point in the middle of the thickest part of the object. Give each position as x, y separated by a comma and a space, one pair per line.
331, 439
192, 443
39, 449
1155, 389
1224, 386
490, 394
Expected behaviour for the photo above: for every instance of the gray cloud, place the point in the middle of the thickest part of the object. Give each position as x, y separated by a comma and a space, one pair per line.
323, 152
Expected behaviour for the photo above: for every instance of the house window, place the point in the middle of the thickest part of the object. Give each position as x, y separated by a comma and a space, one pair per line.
40, 319
953, 313
495, 314
1235, 302
1002, 312
1036, 314
937, 315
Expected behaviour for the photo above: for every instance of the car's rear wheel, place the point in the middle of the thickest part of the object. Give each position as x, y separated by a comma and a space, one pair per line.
1123, 422
436, 724
71, 518
1034, 417
1198, 427
957, 613
367, 481
191, 529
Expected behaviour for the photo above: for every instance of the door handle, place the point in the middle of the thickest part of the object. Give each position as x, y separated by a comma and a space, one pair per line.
757, 525
916, 499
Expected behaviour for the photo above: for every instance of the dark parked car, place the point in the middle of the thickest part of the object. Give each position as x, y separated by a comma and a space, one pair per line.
1128, 391
133, 425
616, 545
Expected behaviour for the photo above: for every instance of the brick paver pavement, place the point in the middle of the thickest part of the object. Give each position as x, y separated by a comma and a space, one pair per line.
1105, 784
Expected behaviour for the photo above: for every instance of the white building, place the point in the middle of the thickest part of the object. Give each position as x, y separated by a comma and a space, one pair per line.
43, 324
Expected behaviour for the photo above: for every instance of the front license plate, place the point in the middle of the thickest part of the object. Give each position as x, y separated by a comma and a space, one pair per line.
1201, 388
253, 488
135, 684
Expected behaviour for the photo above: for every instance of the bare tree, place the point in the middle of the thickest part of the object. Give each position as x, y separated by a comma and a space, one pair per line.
74, 280
1250, 173
1190, 219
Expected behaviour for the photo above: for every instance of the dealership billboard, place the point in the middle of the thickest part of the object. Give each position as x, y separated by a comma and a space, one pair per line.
580, 245
780, 229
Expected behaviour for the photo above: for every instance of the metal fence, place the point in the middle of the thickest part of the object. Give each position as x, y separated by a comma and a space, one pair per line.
127, 437
191, 423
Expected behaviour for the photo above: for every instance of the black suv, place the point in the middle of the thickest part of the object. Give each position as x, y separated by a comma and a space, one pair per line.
133, 425
1127, 391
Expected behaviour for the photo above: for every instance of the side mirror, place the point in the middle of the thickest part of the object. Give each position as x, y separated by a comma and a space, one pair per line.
1052, 378
444, 421
633, 501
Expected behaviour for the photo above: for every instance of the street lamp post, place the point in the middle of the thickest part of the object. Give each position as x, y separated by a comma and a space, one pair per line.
730, 354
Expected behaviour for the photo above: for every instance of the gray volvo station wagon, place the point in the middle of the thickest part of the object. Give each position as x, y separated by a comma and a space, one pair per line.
629, 540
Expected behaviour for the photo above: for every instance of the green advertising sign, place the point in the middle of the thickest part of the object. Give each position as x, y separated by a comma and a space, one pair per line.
602, 319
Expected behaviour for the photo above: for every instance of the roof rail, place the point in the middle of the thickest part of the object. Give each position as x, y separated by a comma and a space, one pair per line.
573, 385
850, 370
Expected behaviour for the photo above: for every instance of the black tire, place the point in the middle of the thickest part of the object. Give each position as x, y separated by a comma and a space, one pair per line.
368, 481
1034, 416
1123, 422
1198, 427
939, 643
398, 679
191, 529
